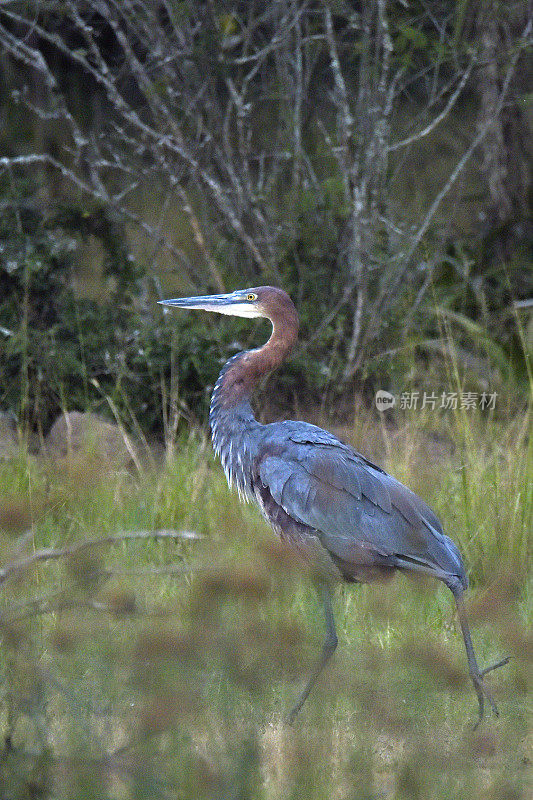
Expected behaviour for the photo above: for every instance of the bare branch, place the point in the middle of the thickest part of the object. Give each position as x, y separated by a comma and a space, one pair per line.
9, 162
415, 137
345, 119
469, 151
55, 553
390, 286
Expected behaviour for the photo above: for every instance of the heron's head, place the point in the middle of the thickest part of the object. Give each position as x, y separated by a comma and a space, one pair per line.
260, 301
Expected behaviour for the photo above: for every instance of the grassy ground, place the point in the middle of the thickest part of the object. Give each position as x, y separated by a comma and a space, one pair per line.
156, 667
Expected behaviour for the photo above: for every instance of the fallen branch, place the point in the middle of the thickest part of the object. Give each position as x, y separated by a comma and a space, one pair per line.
55, 553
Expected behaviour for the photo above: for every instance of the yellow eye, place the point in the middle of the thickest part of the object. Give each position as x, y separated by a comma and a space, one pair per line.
251, 297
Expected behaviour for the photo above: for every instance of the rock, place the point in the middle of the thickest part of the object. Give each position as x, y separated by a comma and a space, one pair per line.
9, 439
84, 434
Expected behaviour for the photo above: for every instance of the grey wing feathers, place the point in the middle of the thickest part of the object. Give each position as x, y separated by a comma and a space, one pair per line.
353, 506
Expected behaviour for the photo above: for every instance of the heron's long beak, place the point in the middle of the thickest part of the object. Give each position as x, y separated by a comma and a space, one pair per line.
235, 304
208, 302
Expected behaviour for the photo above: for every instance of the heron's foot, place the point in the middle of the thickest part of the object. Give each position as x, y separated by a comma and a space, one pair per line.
497, 665
293, 713
291, 716
482, 691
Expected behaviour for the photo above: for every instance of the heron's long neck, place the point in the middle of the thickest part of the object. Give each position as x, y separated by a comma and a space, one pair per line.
234, 428
240, 374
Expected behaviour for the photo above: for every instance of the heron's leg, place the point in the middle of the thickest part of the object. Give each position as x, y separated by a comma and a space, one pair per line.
328, 648
476, 674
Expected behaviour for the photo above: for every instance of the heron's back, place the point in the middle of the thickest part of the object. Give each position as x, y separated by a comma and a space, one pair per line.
343, 513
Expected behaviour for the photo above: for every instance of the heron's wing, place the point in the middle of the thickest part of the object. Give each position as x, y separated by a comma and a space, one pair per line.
353, 504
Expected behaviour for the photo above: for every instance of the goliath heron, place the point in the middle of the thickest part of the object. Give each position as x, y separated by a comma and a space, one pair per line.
343, 514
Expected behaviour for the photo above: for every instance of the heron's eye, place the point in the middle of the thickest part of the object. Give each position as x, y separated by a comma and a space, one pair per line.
251, 297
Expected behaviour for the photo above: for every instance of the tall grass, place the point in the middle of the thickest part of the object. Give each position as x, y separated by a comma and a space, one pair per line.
163, 668
478, 475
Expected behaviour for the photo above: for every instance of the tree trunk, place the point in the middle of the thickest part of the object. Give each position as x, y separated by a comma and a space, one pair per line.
504, 149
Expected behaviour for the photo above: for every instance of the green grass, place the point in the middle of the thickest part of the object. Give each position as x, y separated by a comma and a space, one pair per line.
160, 668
